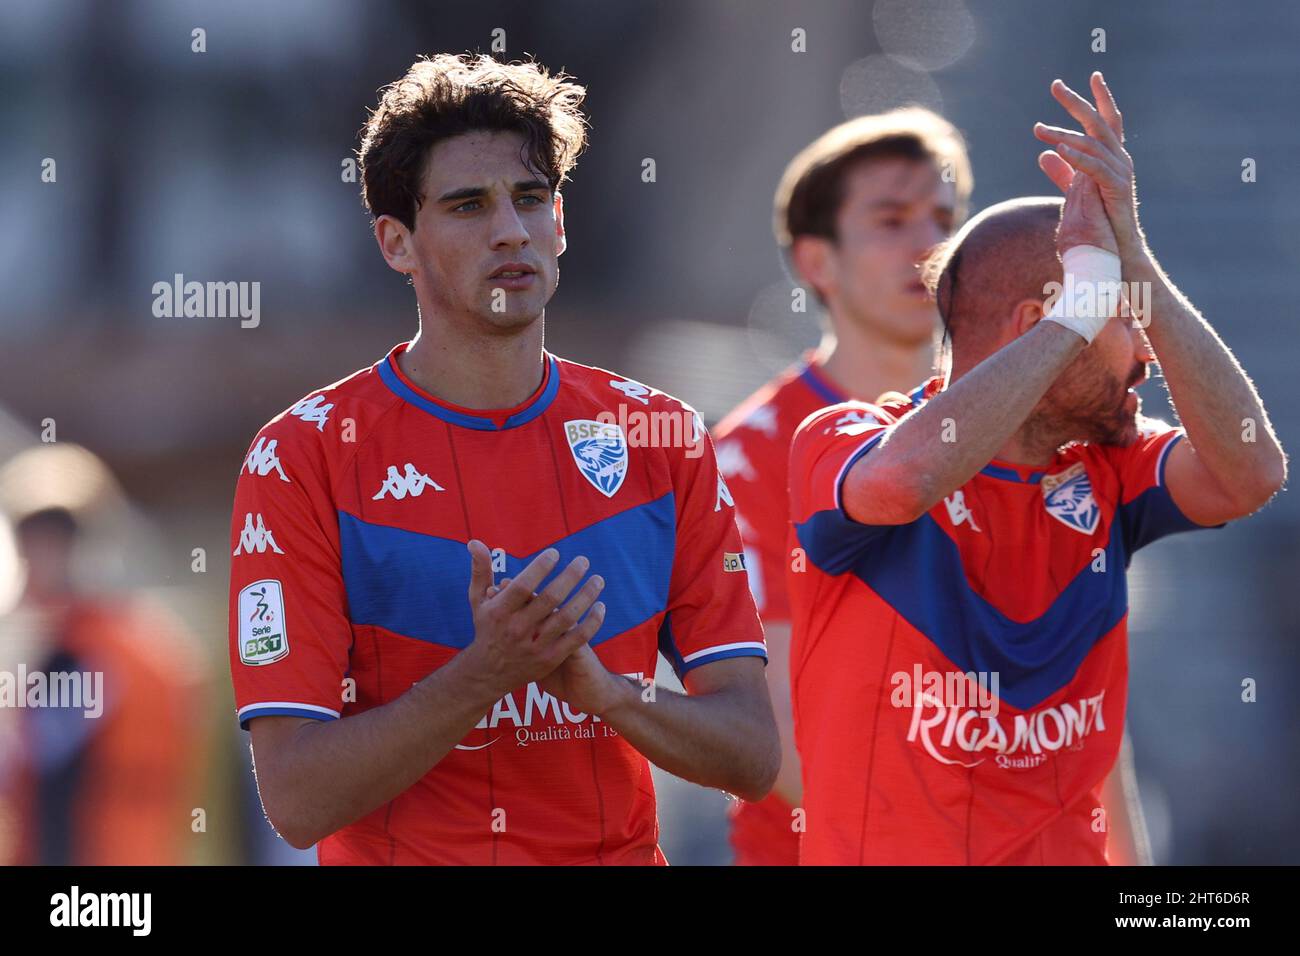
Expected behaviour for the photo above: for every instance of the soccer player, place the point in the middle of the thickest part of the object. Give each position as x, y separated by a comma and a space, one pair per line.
396, 721
855, 213
959, 658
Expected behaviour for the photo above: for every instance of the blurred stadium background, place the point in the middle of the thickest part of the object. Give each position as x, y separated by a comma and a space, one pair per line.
227, 165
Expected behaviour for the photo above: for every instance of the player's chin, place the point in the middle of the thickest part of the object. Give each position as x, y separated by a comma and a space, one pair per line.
509, 322
513, 312
913, 320
1123, 430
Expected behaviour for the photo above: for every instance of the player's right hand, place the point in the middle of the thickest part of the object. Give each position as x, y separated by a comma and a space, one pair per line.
522, 634
1083, 220
1098, 154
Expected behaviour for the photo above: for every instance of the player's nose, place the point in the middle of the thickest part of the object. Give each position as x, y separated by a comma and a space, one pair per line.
1141, 347
508, 229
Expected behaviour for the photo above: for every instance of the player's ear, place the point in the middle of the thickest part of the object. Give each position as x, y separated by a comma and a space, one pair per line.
811, 257
1025, 315
560, 242
395, 243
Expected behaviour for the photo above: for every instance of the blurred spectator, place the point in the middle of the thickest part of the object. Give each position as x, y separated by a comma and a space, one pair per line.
108, 781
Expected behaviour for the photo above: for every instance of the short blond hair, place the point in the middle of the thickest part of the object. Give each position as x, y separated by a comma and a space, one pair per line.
811, 190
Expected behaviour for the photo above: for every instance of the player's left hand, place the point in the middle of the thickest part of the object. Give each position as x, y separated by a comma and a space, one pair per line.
585, 684
582, 681
1099, 152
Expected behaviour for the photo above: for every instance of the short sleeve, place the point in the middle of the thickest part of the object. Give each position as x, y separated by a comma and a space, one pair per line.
1147, 511
711, 614
289, 631
756, 476
826, 446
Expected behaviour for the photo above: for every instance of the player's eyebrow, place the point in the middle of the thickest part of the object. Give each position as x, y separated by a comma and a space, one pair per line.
467, 192
889, 204
943, 211
477, 192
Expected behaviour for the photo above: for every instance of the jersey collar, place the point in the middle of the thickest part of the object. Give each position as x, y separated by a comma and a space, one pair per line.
481, 419
821, 385
1010, 472
926, 390
812, 375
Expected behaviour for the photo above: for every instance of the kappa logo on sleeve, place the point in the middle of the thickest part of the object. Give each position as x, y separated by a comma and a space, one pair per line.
255, 537
763, 419
733, 461
724, 496
633, 390
855, 422
262, 459
262, 637
314, 411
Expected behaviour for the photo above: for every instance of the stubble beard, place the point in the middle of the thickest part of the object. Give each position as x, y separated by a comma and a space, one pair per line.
1098, 416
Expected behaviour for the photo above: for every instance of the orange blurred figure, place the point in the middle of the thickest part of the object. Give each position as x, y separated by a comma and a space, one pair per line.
106, 774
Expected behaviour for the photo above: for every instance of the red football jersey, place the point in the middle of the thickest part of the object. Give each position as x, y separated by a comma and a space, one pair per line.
349, 580
754, 455
960, 682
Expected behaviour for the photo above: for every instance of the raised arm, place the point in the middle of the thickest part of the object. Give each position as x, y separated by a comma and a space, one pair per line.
913, 468
1232, 463
917, 464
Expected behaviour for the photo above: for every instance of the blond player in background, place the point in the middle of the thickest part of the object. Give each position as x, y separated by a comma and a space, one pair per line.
855, 213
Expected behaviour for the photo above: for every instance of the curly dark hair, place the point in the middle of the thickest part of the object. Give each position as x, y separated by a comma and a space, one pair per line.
446, 95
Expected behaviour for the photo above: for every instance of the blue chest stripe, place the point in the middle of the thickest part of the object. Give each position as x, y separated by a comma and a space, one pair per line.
916, 569
415, 584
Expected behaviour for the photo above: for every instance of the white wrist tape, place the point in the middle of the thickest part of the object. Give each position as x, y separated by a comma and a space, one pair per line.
1091, 293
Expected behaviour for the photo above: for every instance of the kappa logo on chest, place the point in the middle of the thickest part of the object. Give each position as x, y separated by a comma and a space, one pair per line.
399, 484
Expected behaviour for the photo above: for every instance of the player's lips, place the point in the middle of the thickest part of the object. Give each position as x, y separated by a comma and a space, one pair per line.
513, 276
511, 269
